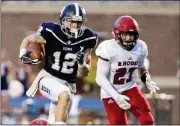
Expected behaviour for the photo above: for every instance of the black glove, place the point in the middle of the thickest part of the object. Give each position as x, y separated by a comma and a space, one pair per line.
80, 57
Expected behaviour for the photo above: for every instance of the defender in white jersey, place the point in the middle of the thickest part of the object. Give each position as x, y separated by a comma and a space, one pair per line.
118, 58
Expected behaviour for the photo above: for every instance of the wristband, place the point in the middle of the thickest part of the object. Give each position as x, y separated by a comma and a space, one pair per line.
145, 77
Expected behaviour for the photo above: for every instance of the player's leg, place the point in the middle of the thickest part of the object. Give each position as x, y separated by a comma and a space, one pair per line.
52, 109
139, 106
115, 114
59, 94
69, 108
62, 106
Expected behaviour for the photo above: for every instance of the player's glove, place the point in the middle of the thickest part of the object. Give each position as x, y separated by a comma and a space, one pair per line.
24, 57
122, 103
80, 56
151, 85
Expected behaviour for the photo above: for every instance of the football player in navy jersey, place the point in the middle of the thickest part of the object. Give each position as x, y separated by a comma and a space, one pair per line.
68, 47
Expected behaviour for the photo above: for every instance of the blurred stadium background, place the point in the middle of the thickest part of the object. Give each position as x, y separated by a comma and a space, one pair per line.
159, 25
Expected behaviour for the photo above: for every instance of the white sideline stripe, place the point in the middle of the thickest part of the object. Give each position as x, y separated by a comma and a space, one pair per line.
56, 36
83, 40
77, 9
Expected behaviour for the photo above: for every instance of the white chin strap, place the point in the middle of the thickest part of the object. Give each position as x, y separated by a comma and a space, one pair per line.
75, 32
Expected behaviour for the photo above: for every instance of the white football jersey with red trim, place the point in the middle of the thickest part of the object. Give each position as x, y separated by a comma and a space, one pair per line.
123, 63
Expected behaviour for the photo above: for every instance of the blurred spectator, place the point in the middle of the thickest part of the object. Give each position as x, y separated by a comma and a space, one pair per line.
12, 89
7, 74
28, 107
43, 112
21, 117
8, 119
24, 75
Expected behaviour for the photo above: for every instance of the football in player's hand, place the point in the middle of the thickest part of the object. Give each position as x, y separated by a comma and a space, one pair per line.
36, 51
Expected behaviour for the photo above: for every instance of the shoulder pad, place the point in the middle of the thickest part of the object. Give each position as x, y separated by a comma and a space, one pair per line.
105, 50
90, 32
143, 46
46, 25
91, 37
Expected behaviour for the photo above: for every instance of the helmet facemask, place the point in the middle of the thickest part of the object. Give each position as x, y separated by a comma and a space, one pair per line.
127, 39
66, 26
126, 32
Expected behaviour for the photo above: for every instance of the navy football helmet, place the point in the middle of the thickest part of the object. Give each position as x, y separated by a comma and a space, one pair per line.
73, 12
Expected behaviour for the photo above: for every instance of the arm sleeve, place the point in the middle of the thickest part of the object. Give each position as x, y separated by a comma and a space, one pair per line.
144, 54
101, 77
101, 52
142, 62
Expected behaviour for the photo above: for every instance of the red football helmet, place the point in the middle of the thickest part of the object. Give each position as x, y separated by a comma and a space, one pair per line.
41, 122
126, 24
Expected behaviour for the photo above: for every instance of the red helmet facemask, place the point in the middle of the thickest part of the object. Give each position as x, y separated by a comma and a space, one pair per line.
126, 25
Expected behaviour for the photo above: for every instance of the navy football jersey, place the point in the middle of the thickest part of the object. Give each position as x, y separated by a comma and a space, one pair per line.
60, 51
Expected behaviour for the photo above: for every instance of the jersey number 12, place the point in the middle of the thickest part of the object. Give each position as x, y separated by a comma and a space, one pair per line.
67, 65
